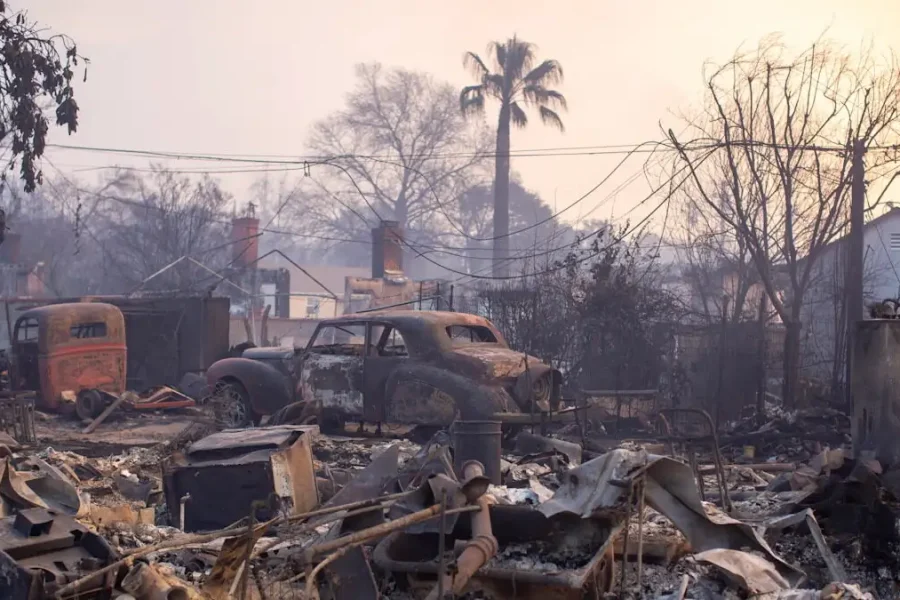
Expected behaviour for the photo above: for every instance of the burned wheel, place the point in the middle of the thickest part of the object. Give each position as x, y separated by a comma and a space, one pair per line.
542, 390
231, 406
89, 404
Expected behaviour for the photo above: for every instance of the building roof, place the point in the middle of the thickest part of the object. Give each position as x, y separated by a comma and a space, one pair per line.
304, 280
892, 213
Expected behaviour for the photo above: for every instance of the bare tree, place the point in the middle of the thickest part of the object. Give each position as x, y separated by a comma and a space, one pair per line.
714, 260
785, 127
155, 220
55, 225
400, 150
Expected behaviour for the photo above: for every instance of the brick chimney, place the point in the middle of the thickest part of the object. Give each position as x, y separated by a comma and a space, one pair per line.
245, 241
387, 250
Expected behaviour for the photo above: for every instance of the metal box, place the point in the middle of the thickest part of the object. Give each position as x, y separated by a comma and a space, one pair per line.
226, 472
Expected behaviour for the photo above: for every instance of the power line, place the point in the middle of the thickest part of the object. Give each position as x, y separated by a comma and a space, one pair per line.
299, 159
597, 231
627, 153
211, 171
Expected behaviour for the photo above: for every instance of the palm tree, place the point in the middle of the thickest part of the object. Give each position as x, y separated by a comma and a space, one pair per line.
514, 82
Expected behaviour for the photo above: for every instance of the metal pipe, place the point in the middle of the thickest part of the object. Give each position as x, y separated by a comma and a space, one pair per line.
380, 530
640, 557
184, 500
480, 549
143, 581
442, 545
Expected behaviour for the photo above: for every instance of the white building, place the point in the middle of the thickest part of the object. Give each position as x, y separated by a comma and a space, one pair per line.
824, 319
316, 291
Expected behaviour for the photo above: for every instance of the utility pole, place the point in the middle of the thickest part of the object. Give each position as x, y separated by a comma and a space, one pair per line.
853, 274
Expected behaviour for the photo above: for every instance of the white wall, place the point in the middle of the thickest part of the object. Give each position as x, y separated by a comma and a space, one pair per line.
298, 307
823, 323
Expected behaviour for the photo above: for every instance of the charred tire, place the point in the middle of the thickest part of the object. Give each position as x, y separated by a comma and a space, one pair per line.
89, 404
295, 413
231, 405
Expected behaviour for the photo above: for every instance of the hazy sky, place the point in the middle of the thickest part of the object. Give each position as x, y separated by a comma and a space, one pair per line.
221, 76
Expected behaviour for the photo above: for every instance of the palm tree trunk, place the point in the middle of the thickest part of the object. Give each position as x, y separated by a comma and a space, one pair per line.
501, 196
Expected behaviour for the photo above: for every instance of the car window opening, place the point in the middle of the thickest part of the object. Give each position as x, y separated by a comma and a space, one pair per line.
391, 344
471, 334
344, 340
27, 330
83, 331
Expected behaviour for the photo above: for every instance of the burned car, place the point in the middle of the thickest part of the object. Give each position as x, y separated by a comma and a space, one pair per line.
391, 366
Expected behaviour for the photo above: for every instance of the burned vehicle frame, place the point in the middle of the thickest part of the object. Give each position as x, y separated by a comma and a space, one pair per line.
391, 366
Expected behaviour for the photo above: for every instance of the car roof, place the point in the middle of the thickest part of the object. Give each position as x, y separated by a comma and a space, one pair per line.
419, 326
414, 317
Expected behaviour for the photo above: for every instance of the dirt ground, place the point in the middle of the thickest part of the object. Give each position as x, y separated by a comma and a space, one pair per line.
120, 431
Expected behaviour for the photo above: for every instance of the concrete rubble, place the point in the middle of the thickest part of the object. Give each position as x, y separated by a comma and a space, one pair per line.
288, 512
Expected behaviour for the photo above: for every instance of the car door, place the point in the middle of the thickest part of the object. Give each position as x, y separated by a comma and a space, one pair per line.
386, 351
332, 371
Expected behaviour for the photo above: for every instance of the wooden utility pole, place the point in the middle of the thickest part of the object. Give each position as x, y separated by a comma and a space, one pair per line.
853, 274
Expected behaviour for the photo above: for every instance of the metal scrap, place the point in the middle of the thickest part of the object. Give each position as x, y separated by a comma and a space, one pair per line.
599, 486
41, 551
752, 573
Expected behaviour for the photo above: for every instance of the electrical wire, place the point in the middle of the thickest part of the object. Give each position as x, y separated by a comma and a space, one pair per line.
297, 159
580, 199
346, 172
595, 232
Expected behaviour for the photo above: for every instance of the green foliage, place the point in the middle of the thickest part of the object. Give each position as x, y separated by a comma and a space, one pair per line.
36, 74
513, 80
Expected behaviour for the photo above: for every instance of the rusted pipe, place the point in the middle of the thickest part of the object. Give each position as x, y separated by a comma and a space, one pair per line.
480, 549
380, 530
184, 500
145, 583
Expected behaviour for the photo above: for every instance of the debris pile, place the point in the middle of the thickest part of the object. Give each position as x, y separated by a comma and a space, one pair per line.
285, 511
790, 435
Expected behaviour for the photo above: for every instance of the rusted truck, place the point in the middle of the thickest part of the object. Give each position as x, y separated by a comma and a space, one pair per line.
73, 349
391, 366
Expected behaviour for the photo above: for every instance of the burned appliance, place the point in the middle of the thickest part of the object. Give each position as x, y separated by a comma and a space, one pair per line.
222, 477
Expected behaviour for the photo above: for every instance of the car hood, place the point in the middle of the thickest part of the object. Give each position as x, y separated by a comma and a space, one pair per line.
497, 361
